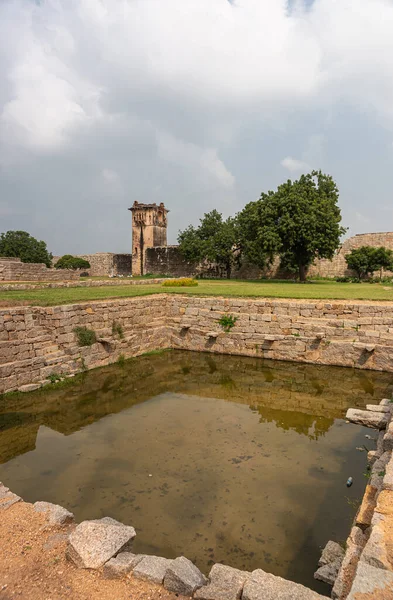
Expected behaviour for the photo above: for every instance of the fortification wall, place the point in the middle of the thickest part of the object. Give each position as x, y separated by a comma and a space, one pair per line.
15, 270
38, 341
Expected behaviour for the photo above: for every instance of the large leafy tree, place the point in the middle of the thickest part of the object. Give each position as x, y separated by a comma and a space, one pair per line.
213, 241
20, 244
72, 262
299, 222
368, 259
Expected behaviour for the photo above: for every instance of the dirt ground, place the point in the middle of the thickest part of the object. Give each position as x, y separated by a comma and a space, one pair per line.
33, 565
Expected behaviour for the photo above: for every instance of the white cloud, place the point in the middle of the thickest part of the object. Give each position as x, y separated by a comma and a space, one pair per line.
293, 165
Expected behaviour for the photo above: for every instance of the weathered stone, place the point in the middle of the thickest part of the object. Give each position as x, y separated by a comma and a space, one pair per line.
366, 510
121, 565
56, 515
93, 543
264, 586
387, 483
183, 577
388, 438
371, 583
7, 498
328, 573
331, 552
355, 544
226, 583
379, 469
372, 456
29, 387
378, 408
376, 420
152, 568
386, 402
378, 549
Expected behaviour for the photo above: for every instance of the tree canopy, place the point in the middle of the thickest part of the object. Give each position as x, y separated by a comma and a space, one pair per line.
368, 259
72, 262
299, 222
214, 241
20, 244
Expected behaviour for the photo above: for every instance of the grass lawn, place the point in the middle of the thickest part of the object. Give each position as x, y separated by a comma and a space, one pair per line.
262, 289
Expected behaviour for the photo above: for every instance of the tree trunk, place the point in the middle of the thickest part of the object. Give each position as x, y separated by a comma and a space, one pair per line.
302, 273
229, 271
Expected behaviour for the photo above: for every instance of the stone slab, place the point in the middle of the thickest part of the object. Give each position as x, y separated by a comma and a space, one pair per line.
388, 438
378, 551
7, 498
56, 515
183, 577
328, 573
378, 408
366, 510
387, 483
93, 543
264, 586
371, 583
226, 583
376, 420
152, 568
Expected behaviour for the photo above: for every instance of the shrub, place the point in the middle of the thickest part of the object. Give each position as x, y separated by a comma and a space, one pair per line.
72, 262
368, 259
20, 244
182, 282
121, 361
85, 336
227, 322
117, 330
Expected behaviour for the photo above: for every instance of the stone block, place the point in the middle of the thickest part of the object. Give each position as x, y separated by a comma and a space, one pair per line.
264, 586
121, 565
95, 542
331, 552
378, 408
183, 577
388, 438
366, 510
56, 515
152, 568
328, 573
7, 498
225, 583
371, 583
376, 420
355, 544
378, 549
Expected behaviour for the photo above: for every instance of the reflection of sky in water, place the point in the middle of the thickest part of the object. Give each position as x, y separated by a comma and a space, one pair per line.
224, 459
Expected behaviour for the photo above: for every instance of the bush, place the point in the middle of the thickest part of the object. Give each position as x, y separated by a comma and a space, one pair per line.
72, 262
117, 330
368, 259
227, 322
85, 336
20, 244
183, 282
347, 279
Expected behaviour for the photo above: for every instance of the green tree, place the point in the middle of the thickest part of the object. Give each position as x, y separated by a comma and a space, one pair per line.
214, 241
299, 223
20, 244
368, 259
72, 262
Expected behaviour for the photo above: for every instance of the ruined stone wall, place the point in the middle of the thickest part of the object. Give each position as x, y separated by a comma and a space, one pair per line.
104, 264
16, 270
338, 267
38, 341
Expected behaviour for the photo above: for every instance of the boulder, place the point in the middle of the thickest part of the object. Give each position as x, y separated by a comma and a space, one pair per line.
264, 586
376, 420
183, 577
331, 552
370, 583
152, 568
121, 565
56, 515
226, 583
93, 543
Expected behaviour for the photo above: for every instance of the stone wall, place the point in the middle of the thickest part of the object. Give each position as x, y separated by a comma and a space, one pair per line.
15, 270
104, 264
38, 341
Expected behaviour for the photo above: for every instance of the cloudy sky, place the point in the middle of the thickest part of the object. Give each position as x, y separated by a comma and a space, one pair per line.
199, 104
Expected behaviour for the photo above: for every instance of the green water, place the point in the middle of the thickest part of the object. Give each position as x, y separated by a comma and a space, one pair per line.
222, 459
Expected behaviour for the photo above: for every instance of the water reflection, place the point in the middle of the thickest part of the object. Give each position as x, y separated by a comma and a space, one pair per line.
224, 459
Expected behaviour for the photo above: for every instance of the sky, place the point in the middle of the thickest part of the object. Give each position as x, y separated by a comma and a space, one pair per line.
199, 104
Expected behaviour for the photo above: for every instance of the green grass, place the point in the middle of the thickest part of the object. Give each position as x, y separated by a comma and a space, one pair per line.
328, 290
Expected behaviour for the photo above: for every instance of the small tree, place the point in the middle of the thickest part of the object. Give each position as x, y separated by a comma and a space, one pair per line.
72, 262
368, 259
299, 222
20, 244
214, 240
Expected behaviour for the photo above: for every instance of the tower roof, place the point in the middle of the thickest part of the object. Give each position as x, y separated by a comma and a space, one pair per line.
140, 206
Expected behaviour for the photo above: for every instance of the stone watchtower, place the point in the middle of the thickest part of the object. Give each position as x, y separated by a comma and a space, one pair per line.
149, 226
